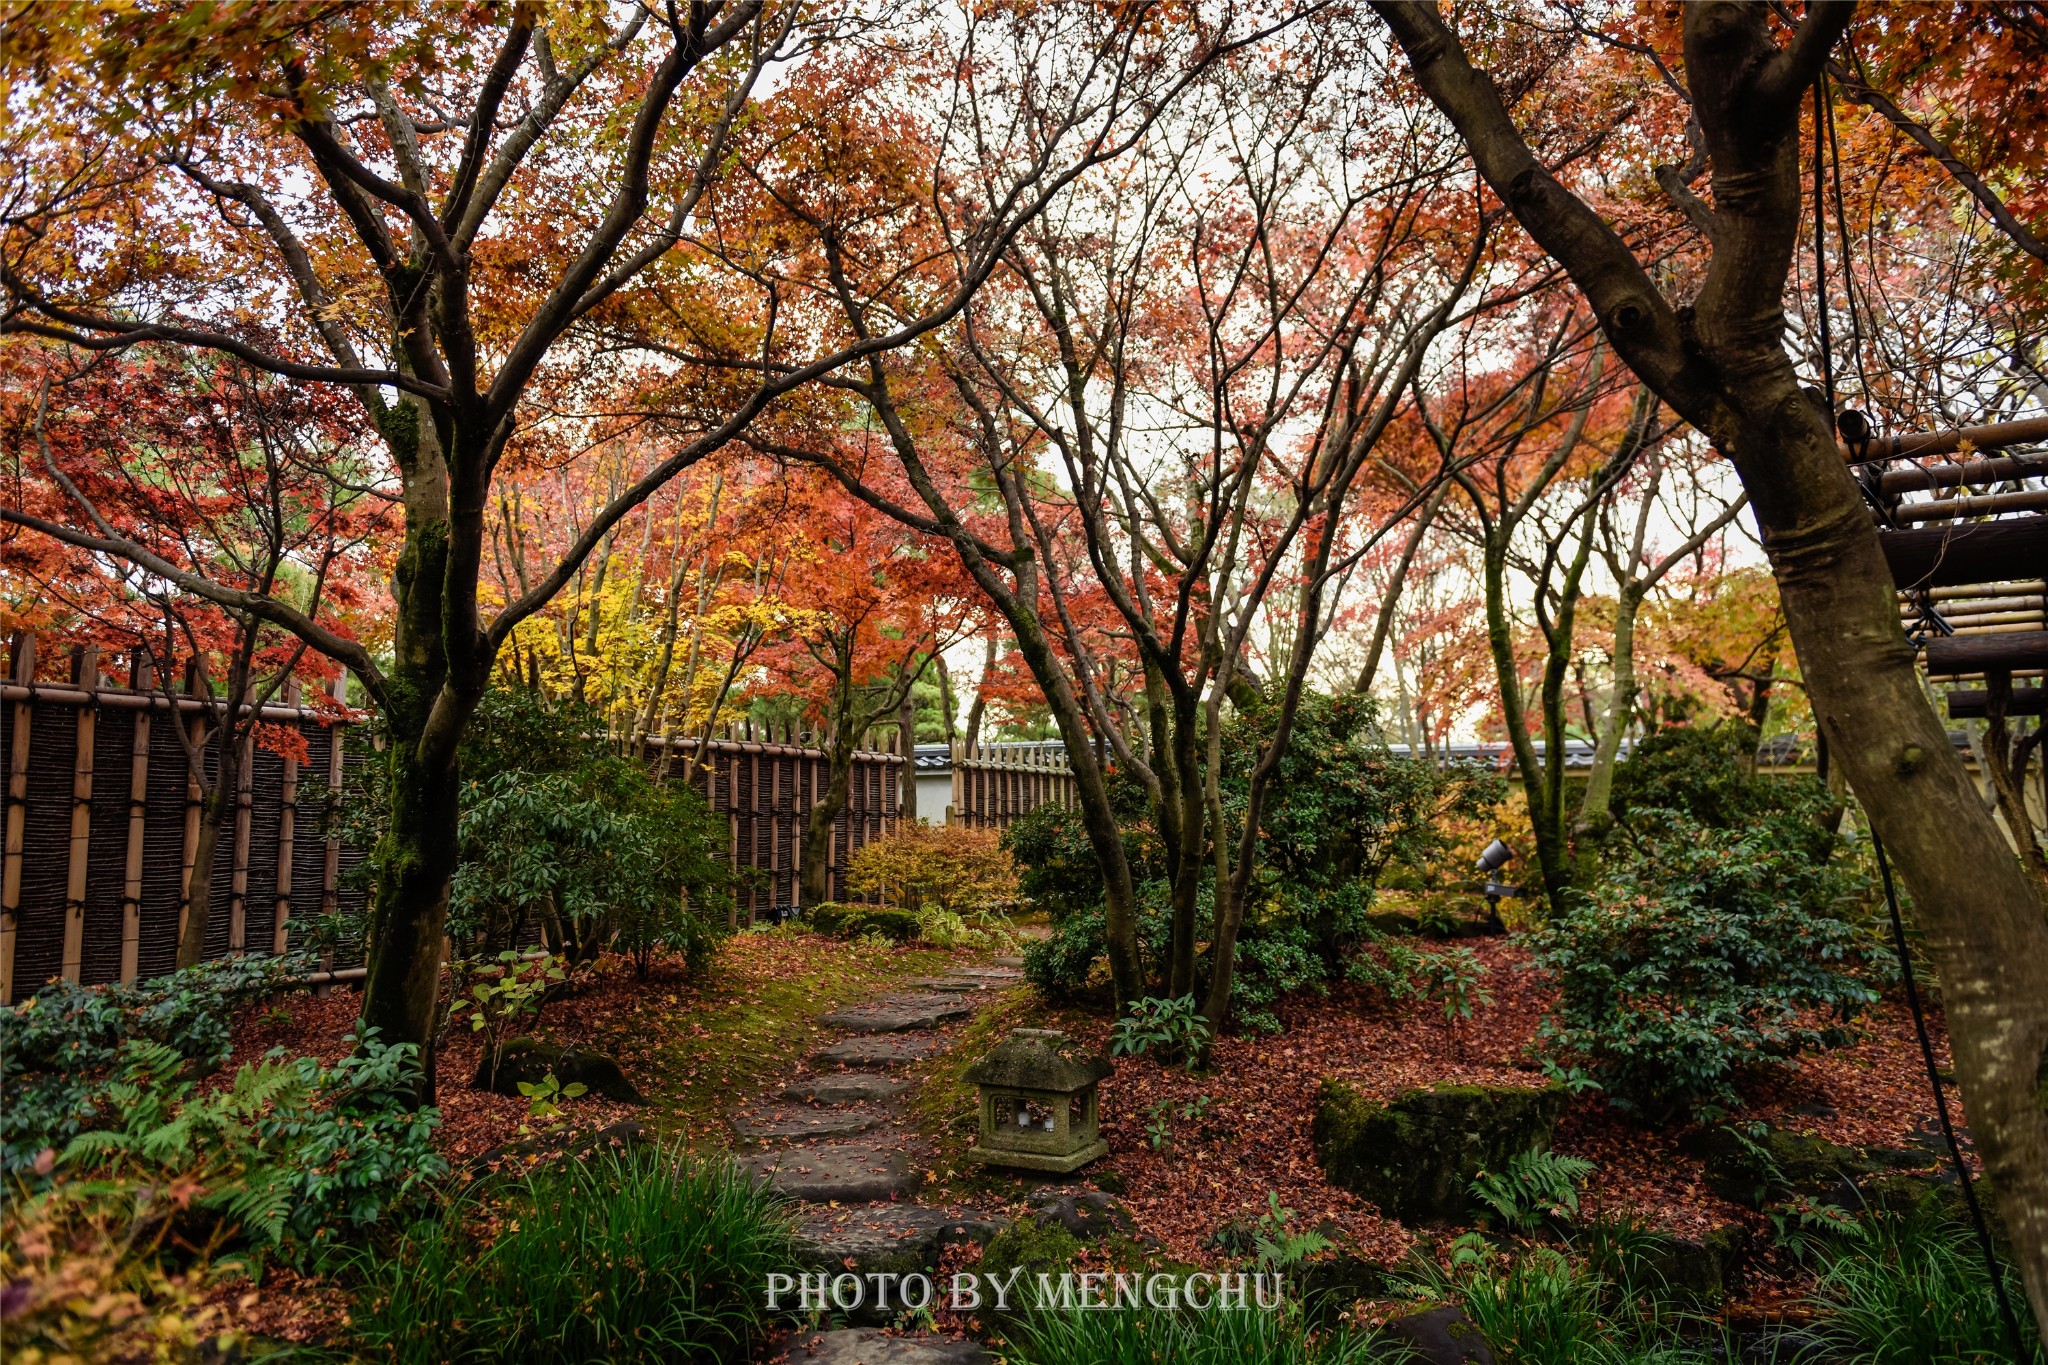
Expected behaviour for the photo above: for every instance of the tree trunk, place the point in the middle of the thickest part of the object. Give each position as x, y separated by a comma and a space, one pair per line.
814, 867
1596, 809
977, 706
213, 813
906, 742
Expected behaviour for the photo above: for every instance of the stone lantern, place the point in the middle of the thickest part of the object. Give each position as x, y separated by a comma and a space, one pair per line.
1038, 1103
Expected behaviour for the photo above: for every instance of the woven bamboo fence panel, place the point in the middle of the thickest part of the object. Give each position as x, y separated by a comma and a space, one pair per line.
101, 823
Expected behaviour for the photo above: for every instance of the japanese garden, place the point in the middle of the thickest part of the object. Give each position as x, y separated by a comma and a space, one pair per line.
1306, 683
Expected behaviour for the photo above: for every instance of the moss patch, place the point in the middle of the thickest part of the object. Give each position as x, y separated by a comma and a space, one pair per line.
695, 1044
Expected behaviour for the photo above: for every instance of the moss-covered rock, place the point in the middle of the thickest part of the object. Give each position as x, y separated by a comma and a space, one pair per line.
1756, 1165
1415, 1156
532, 1061
1695, 1270
851, 921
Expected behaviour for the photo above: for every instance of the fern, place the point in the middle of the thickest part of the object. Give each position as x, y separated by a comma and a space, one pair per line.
1535, 1186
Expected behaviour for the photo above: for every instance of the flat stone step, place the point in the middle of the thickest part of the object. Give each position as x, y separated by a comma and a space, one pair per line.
886, 1018
850, 1175
878, 1050
865, 1346
889, 1238
798, 1125
992, 975
953, 985
844, 1087
1009, 960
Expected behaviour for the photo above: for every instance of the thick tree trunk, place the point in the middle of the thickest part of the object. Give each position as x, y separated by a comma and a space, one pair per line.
814, 867
906, 743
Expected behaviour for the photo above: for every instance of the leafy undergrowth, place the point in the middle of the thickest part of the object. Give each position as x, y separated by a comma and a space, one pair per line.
1187, 1167
689, 1044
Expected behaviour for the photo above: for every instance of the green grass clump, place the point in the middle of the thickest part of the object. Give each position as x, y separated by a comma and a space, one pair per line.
616, 1258
1248, 1336
1914, 1290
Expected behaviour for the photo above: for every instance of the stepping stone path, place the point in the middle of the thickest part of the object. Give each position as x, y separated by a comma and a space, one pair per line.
836, 1141
867, 1347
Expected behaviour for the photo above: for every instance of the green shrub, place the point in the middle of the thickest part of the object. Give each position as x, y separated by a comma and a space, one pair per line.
1274, 959
1175, 1028
60, 1048
651, 1257
1914, 1290
1343, 812
1701, 952
1059, 964
1057, 870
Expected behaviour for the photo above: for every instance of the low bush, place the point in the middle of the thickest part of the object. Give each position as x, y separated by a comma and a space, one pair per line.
947, 867
293, 1155
60, 1048
1173, 1028
1701, 953
652, 1257
84, 1280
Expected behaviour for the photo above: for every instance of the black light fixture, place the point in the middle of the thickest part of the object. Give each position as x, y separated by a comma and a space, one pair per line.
1492, 859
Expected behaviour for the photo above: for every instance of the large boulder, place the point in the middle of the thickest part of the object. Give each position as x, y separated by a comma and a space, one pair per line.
530, 1060
1415, 1156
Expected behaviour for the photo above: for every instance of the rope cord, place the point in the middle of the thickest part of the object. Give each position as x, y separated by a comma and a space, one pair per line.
1823, 122
1948, 1131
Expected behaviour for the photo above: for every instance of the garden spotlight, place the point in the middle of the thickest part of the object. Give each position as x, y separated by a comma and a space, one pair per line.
1492, 859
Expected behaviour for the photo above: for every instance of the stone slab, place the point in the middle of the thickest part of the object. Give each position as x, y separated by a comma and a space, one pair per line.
861, 1346
844, 1087
797, 1125
877, 1050
948, 1003
885, 1238
895, 1018
952, 985
1009, 960
850, 1175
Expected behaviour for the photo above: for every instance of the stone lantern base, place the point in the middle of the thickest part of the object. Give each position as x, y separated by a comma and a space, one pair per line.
1039, 1161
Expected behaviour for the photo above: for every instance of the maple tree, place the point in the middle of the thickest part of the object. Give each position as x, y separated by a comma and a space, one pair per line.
480, 223
1712, 348
1147, 437
870, 606
209, 469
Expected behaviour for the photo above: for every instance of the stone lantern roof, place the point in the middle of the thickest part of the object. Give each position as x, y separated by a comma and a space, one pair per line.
1039, 1059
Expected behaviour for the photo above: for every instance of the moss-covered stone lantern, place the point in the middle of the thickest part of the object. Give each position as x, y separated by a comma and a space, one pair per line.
1038, 1103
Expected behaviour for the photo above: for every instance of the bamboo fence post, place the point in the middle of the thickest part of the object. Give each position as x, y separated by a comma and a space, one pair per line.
85, 673
140, 679
238, 875
195, 682
287, 835
24, 673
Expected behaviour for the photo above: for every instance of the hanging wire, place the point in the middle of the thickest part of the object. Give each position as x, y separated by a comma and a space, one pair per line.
1948, 1131
1849, 285
1820, 247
